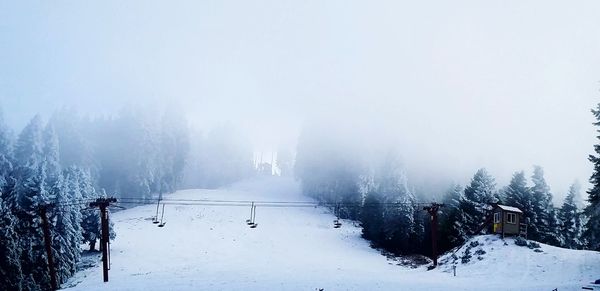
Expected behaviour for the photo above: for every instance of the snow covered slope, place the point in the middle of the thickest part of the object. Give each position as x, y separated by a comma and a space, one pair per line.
211, 248
498, 262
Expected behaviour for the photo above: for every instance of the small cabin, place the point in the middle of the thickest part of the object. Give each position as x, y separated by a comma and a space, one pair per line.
508, 220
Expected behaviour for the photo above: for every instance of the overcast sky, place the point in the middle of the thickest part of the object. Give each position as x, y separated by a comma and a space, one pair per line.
461, 84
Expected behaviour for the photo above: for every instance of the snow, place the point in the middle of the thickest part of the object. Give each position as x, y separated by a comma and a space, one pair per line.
523, 268
211, 248
510, 208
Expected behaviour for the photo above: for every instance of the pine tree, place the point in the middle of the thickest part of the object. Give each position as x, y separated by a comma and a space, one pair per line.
372, 219
351, 199
90, 223
73, 231
61, 231
67, 231
519, 195
7, 161
475, 203
544, 222
174, 148
571, 226
11, 274
552, 237
450, 227
592, 211
51, 158
399, 210
419, 237
29, 149
75, 147
30, 193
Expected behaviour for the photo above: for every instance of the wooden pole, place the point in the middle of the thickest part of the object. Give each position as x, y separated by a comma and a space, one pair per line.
104, 241
157, 205
103, 204
434, 226
433, 212
47, 242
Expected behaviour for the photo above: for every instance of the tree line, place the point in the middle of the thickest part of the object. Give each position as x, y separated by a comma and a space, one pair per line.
32, 177
135, 154
374, 191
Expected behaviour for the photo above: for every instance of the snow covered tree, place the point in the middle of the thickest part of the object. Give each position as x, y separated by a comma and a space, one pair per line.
146, 156
174, 148
11, 274
74, 136
372, 219
544, 222
6, 157
571, 226
351, 200
420, 235
399, 209
30, 193
67, 231
51, 155
90, 223
474, 204
517, 194
451, 230
330, 171
61, 247
399, 224
592, 211
29, 149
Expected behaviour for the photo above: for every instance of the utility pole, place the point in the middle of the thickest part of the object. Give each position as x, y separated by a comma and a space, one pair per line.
433, 212
103, 204
47, 242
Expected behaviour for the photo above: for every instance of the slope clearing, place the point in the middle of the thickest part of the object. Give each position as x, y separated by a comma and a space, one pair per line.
211, 248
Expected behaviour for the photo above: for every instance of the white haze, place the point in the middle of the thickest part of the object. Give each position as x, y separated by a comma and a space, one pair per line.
458, 85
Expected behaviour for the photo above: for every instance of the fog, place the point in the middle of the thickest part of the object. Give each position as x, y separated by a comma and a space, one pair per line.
455, 86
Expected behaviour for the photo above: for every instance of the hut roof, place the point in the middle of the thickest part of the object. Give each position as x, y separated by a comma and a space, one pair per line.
510, 208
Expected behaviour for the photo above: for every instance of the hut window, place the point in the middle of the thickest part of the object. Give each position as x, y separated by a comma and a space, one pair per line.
497, 217
511, 218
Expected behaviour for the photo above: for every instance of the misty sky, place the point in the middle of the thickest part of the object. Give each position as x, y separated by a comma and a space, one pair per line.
459, 84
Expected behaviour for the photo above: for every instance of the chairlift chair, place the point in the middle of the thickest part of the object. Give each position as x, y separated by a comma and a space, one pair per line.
155, 219
249, 220
162, 223
252, 223
337, 223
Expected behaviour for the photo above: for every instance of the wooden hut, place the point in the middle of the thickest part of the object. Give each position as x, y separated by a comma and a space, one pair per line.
508, 220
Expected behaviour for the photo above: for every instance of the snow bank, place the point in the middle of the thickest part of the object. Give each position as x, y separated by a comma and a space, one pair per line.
496, 263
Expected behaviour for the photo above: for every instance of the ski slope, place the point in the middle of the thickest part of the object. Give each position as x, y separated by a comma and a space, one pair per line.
212, 248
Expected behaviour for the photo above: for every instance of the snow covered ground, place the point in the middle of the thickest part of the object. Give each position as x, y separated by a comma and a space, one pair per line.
211, 248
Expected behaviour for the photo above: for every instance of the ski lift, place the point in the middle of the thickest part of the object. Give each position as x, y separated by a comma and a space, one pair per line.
250, 221
155, 220
162, 223
253, 223
336, 222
